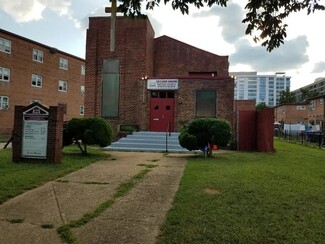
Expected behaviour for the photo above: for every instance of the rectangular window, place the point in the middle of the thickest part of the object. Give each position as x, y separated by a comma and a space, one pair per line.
82, 90
82, 110
301, 107
111, 88
38, 55
206, 103
4, 74
5, 45
63, 63
63, 85
37, 80
312, 105
4, 102
83, 69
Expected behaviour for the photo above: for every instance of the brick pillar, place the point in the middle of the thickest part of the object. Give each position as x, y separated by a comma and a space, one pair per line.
17, 134
55, 134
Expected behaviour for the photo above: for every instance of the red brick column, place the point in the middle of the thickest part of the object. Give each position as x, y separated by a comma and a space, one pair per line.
17, 134
54, 135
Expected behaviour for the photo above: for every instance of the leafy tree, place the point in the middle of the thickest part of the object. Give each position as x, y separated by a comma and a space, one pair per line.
264, 16
287, 96
261, 106
306, 94
87, 131
205, 131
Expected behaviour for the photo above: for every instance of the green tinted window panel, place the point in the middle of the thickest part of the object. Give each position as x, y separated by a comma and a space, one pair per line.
206, 103
111, 88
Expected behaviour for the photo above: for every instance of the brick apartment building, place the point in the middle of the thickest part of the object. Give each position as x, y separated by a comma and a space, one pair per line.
294, 113
311, 112
316, 112
154, 83
31, 71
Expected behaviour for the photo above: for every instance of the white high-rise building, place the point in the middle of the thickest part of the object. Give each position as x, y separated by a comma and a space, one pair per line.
261, 88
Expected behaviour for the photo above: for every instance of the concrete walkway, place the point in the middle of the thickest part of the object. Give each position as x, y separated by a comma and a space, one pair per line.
2, 144
134, 218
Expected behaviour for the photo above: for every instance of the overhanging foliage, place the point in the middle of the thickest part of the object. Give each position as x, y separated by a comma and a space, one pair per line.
266, 17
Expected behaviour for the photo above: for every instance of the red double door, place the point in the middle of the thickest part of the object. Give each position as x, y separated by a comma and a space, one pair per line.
162, 104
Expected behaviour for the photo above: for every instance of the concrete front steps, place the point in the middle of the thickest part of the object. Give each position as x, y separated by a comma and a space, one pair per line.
146, 141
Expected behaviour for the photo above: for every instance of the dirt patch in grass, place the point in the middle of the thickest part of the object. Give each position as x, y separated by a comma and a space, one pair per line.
212, 191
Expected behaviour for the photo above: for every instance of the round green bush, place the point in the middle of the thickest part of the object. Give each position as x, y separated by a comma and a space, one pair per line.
90, 131
203, 131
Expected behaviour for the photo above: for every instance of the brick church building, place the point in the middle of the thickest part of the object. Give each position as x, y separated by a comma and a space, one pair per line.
154, 83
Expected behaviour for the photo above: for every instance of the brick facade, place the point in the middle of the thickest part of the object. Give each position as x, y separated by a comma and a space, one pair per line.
176, 58
19, 88
316, 112
141, 56
185, 103
291, 113
134, 50
245, 105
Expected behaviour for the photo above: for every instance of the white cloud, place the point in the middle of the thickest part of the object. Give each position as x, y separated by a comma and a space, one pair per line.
59, 6
23, 10
319, 67
230, 19
32, 10
291, 55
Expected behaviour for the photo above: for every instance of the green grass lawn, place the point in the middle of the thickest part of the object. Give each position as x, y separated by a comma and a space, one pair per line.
234, 197
15, 178
242, 197
4, 138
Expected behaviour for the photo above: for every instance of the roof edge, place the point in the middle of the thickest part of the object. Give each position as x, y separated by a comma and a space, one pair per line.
40, 44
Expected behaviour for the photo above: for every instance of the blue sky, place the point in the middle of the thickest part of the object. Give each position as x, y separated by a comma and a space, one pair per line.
63, 23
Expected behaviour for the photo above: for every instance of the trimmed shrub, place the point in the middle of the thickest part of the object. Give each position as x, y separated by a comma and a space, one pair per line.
88, 131
204, 131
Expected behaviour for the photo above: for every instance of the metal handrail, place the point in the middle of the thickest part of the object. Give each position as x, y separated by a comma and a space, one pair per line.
168, 133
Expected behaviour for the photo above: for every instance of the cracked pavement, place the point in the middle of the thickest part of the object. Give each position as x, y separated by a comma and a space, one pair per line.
34, 216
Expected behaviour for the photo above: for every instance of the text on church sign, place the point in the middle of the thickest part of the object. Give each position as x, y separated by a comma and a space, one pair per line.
162, 84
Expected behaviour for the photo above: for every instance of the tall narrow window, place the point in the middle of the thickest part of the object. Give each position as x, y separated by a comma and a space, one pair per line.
4, 74
38, 55
37, 80
4, 102
5, 45
63, 64
83, 69
111, 88
82, 90
206, 103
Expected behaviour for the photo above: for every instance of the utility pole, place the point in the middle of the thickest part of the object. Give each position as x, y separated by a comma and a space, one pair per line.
113, 9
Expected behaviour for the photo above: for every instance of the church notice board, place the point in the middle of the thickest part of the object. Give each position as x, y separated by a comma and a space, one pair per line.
35, 127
